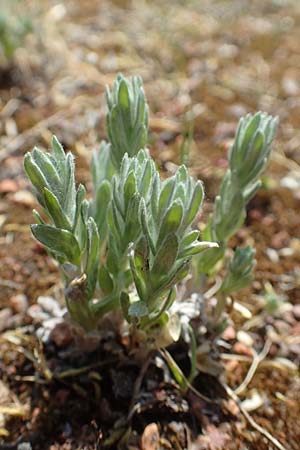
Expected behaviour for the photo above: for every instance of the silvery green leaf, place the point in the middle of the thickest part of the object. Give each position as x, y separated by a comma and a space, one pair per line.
80, 195
190, 238
54, 208
112, 257
165, 257
117, 194
240, 268
105, 280
249, 192
195, 248
194, 204
59, 155
35, 175
182, 174
251, 126
129, 189
231, 216
48, 169
166, 195
59, 241
171, 220
37, 217
100, 208
92, 262
102, 167
207, 260
253, 161
139, 268
132, 223
145, 226
69, 188
146, 179
115, 221
81, 231
123, 97
154, 197
138, 309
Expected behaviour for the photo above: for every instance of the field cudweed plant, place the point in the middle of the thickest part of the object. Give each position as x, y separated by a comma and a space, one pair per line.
131, 244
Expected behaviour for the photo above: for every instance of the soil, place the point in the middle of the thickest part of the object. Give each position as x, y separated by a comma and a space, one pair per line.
208, 63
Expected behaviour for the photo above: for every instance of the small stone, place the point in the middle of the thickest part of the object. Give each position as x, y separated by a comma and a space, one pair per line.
150, 437
290, 86
61, 335
229, 333
255, 214
24, 198
280, 239
8, 185
272, 255
19, 303
242, 349
245, 338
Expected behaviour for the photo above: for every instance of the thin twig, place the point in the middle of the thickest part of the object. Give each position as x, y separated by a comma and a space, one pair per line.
257, 359
214, 289
275, 363
251, 421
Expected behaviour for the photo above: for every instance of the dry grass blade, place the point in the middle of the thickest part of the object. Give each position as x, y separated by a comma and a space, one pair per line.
252, 422
257, 359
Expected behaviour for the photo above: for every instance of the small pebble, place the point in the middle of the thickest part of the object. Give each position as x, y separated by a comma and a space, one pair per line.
8, 185
150, 437
229, 333
280, 239
19, 303
24, 198
242, 349
245, 338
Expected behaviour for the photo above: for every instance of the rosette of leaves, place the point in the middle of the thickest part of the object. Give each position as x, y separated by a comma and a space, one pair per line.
72, 236
127, 117
160, 257
248, 157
